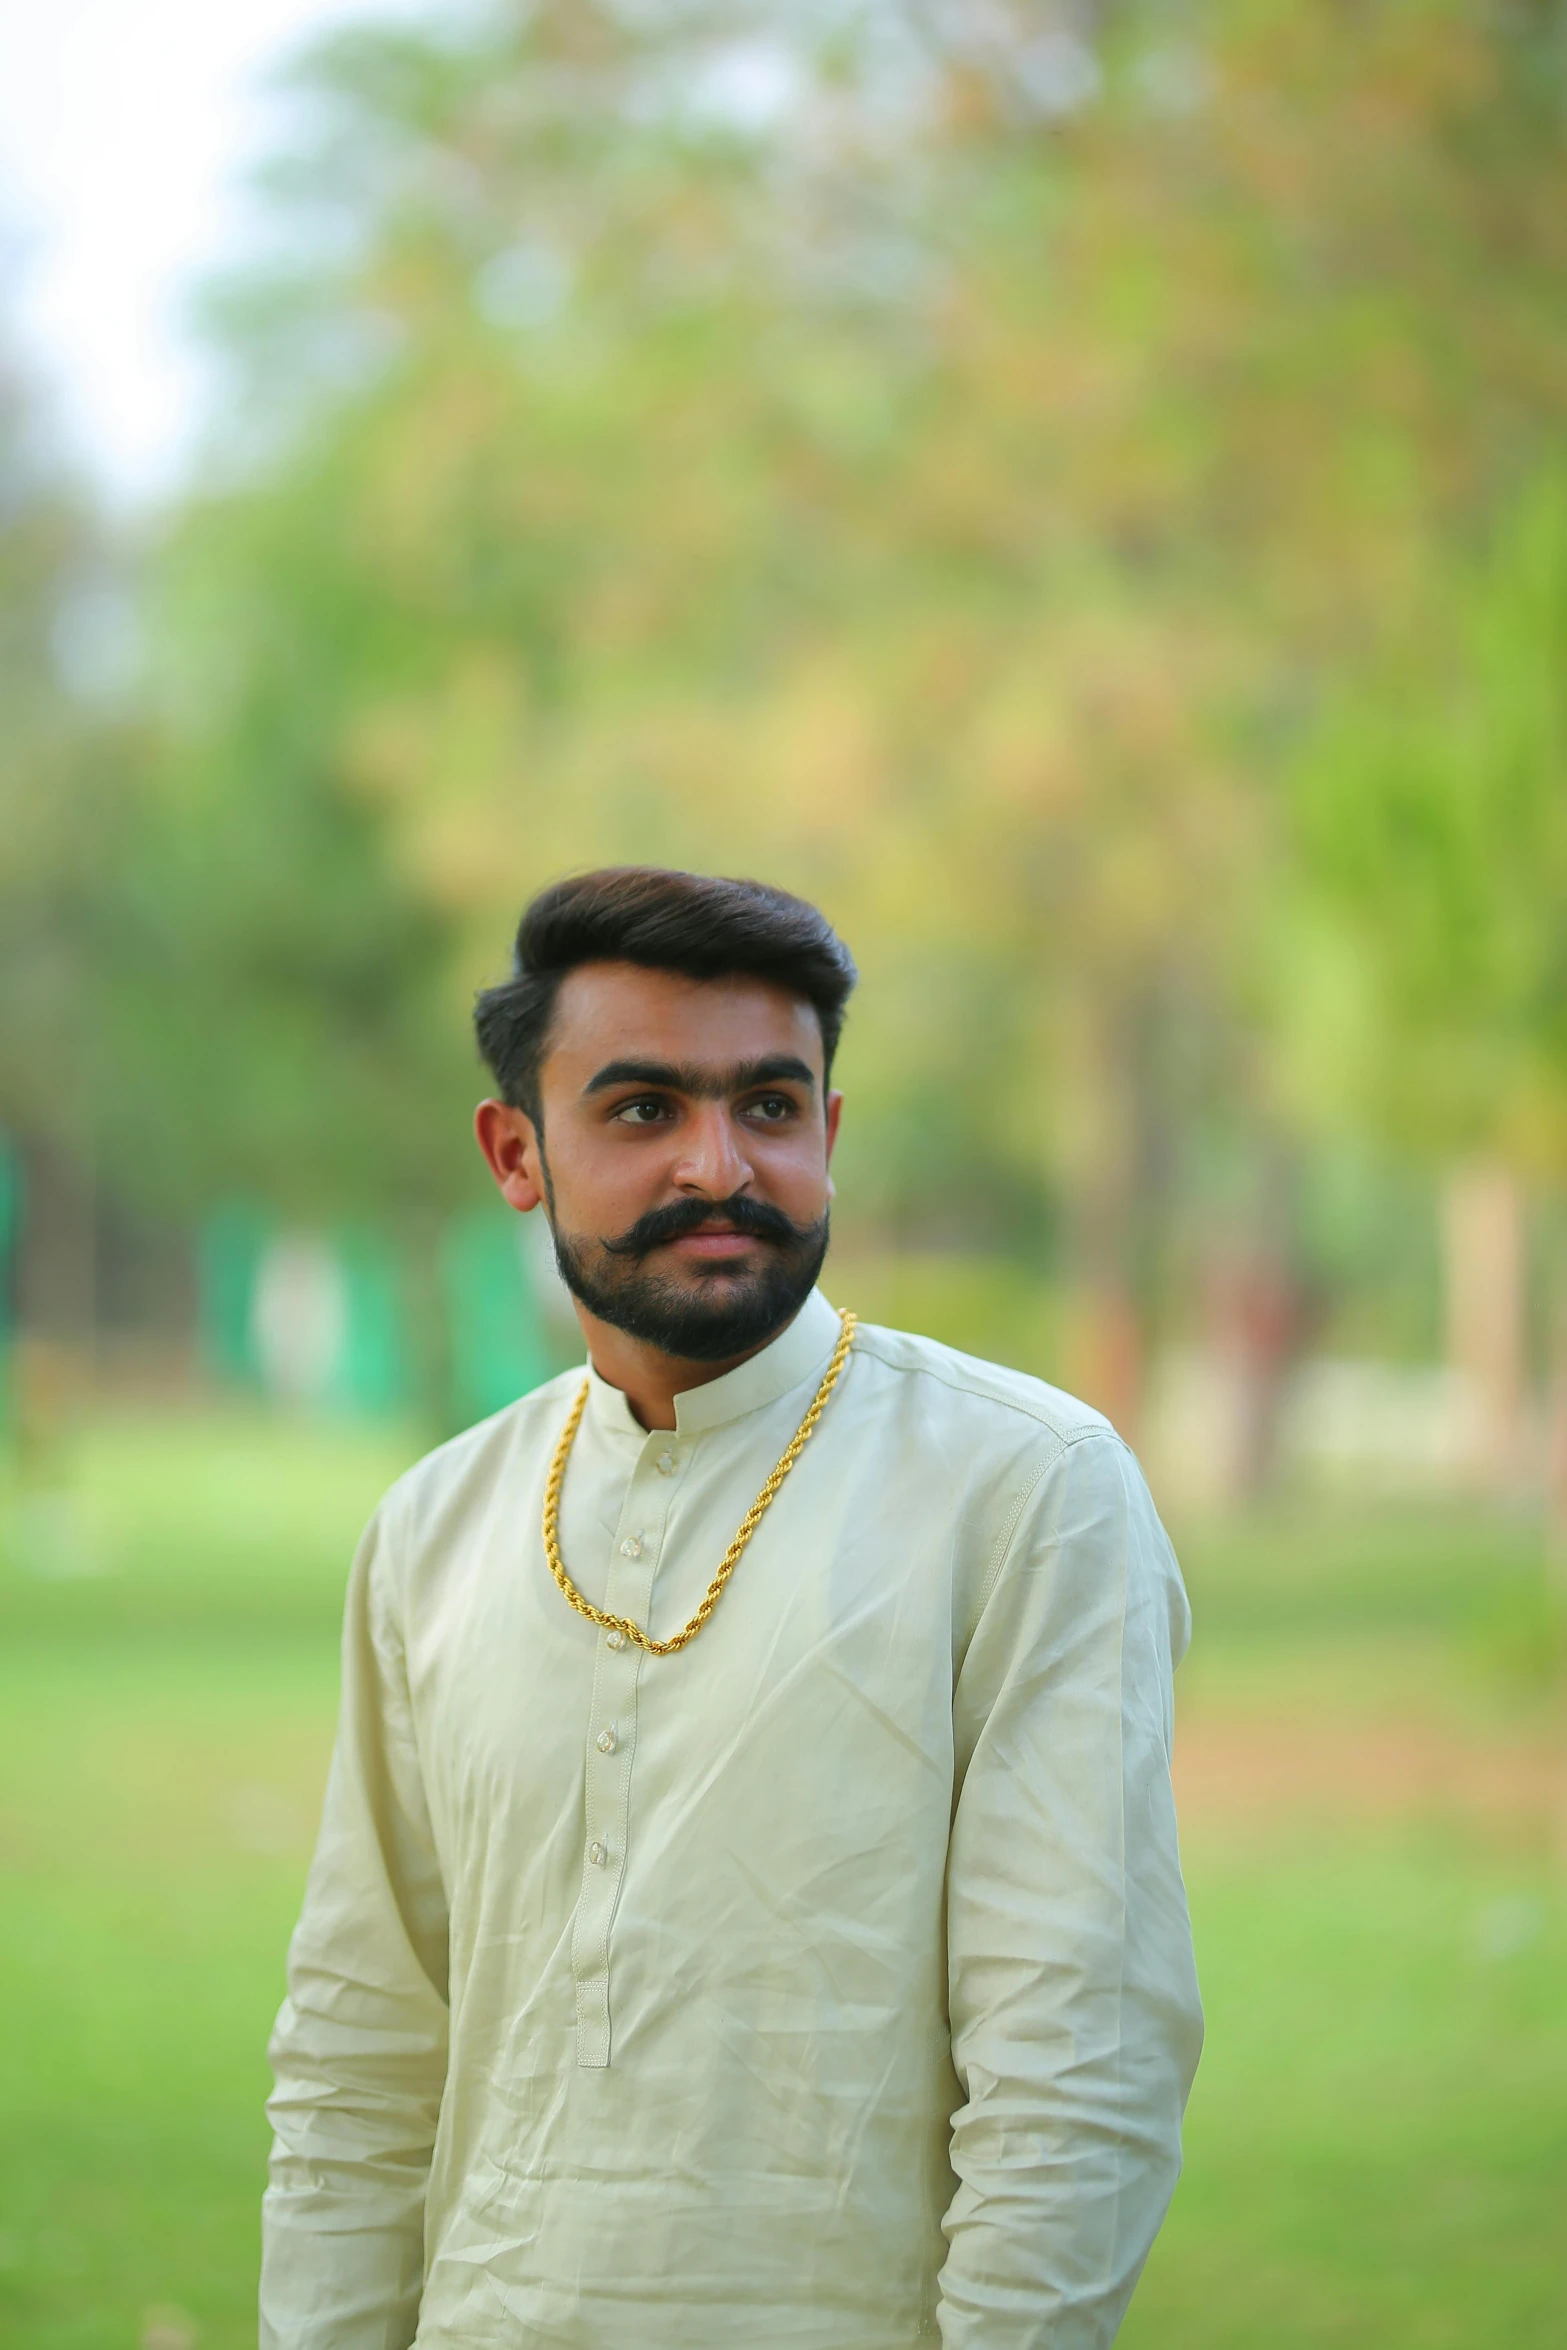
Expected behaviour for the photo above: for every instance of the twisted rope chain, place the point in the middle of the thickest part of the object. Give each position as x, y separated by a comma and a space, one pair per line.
731, 1558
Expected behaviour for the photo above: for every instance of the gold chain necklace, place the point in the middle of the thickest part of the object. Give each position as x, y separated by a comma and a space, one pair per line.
731, 1557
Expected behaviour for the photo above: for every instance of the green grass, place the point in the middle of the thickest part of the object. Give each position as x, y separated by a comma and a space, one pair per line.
1377, 2145
168, 1672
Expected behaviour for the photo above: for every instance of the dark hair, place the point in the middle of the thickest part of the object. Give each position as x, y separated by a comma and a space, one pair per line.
693, 923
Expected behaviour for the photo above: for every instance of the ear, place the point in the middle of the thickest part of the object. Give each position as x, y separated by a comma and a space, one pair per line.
511, 1152
834, 1110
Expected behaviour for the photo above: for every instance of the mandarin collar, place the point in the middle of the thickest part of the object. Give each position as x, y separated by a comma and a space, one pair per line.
800, 1351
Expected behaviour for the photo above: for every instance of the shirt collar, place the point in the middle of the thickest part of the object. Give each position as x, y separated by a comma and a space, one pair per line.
800, 1351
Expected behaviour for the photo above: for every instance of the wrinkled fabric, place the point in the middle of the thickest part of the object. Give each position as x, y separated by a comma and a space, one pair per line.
825, 1986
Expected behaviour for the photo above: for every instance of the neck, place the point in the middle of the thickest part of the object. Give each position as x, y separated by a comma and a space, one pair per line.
649, 1379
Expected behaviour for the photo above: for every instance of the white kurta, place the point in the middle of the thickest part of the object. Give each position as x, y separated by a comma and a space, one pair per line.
827, 1985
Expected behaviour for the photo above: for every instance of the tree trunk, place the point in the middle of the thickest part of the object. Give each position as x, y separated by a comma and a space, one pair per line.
1483, 1264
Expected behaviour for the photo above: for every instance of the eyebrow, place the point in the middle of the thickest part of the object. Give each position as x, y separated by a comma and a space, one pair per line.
704, 1084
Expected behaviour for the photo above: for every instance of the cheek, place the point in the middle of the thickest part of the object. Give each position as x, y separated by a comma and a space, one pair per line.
605, 1178
797, 1167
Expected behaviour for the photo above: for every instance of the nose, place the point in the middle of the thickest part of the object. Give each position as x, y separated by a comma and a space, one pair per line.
712, 1162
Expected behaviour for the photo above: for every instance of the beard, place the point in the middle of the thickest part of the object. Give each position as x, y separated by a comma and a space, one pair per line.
702, 1314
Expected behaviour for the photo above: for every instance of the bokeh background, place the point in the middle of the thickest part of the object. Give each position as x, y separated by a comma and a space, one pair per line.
1081, 491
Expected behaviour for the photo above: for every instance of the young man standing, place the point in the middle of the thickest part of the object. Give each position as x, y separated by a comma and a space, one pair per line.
747, 1909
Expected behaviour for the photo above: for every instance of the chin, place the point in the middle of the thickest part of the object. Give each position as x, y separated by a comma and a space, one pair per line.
700, 1273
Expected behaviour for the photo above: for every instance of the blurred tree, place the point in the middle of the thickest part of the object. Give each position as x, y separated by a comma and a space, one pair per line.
65, 759
279, 1031
945, 458
1434, 817
1434, 820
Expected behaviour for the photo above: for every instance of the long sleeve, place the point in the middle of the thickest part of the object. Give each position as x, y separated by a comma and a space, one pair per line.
1073, 1998
359, 2051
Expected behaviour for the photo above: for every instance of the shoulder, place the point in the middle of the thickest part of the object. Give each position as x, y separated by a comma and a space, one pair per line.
1011, 1403
463, 1473
1069, 1510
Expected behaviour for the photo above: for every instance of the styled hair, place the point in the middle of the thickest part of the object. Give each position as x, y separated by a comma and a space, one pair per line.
692, 923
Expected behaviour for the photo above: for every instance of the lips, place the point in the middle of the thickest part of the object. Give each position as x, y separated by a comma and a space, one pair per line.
715, 1240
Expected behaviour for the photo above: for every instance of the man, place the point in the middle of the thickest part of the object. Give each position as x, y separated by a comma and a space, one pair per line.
747, 1909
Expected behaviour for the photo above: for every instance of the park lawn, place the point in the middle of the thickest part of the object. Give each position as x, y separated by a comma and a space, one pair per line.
1377, 2145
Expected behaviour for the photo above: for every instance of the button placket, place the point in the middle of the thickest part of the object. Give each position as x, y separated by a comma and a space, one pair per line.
610, 1745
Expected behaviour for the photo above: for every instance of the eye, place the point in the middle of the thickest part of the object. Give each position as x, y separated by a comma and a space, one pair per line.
646, 1110
772, 1109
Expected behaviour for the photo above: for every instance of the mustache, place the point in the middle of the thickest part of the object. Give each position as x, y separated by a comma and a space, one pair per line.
680, 1216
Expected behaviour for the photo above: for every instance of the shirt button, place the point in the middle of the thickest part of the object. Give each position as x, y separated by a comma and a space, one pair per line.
631, 1548
598, 1854
666, 1464
614, 1640
605, 1741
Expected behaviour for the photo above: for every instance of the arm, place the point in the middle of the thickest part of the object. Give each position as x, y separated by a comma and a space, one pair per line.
359, 2052
1073, 1997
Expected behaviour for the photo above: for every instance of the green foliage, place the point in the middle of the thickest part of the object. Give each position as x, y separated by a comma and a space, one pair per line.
280, 1025
63, 776
943, 467
986, 1306
954, 462
1435, 817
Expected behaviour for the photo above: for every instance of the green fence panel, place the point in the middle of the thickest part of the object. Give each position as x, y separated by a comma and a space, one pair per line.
499, 1348
372, 1372
232, 1243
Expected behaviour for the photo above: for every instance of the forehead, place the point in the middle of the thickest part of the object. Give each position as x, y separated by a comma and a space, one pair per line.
619, 1011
